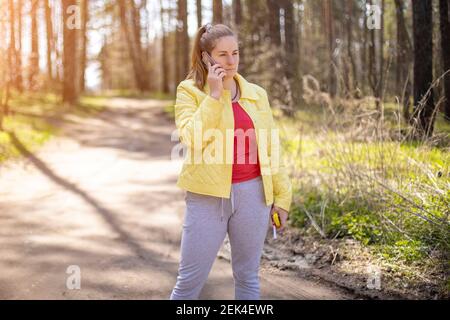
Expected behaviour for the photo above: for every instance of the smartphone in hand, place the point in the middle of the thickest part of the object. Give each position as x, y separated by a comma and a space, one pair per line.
206, 57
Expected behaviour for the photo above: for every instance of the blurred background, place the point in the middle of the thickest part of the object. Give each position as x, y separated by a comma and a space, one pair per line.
359, 88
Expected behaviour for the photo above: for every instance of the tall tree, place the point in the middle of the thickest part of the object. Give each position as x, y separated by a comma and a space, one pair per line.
34, 55
274, 22
19, 80
444, 14
237, 13
350, 52
136, 26
49, 38
199, 13
69, 53
15, 45
329, 25
126, 11
164, 48
217, 11
291, 49
376, 61
364, 49
238, 25
12, 43
182, 39
12, 53
273, 35
83, 44
381, 71
6, 81
423, 66
404, 49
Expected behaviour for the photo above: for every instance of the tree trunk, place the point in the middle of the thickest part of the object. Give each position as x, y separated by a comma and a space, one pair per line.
353, 83
182, 42
139, 69
329, 23
364, 54
237, 9
444, 14
165, 61
12, 54
251, 7
217, 11
238, 20
199, 13
136, 22
423, 66
300, 28
83, 44
15, 46
404, 48
50, 39
291, 50
19, 80
274, 22
69, 55
380, 86
5, 83
376, 64
34, 55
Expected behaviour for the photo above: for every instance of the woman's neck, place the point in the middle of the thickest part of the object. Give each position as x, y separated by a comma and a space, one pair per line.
232, 85
229, 84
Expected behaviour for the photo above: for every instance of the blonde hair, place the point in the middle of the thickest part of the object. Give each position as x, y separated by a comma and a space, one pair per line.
205, 40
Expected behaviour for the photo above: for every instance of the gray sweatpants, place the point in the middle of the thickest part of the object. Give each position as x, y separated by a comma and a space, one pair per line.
245, 217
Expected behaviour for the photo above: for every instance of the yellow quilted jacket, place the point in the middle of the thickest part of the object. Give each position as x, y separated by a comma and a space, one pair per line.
204, 122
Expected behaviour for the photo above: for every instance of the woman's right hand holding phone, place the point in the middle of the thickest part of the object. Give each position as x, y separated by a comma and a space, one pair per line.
215, 80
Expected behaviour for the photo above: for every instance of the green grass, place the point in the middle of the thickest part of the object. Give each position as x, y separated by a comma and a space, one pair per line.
32, 118
382, 193
441, 125
31, 132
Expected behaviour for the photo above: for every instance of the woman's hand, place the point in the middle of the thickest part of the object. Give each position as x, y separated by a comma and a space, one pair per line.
283, 214
215, 82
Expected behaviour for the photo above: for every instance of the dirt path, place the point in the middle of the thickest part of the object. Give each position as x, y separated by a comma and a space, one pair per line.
102, 196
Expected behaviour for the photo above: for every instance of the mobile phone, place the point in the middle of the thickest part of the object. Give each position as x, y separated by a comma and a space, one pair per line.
206, 57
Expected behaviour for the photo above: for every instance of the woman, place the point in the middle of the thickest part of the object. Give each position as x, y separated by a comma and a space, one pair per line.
234, 182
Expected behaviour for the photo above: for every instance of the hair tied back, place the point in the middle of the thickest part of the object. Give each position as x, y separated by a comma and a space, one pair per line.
208, 27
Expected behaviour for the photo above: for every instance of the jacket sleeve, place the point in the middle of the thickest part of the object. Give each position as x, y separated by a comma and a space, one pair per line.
194, 119
282, 187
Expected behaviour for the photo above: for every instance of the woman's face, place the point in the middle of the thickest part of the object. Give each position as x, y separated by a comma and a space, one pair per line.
226, 53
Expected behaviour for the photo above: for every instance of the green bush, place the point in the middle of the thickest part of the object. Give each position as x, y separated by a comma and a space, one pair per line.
410, 251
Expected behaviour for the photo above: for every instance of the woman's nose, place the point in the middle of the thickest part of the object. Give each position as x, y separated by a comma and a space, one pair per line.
230, 60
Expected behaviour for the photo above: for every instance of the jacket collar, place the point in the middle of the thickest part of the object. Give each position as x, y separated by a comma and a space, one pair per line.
247, 90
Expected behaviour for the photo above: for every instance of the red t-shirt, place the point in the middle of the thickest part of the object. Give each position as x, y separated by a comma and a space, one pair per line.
245, 159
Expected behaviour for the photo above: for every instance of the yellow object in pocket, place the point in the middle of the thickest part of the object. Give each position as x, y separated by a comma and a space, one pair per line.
276, 219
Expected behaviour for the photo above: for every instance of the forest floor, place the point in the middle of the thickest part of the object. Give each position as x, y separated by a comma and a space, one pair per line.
102, 196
